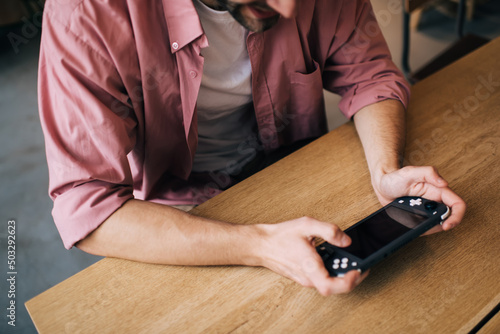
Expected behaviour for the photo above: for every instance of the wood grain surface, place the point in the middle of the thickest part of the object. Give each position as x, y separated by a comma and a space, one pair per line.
443, 283
492, 326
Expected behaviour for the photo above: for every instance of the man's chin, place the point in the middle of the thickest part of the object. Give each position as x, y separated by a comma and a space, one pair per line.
259, 25
244, 16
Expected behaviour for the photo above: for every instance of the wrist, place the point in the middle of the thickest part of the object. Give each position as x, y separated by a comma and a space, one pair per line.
378, 173
252, 242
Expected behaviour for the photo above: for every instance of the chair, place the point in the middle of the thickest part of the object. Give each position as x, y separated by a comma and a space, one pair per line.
34, 6
463, 46
12, 12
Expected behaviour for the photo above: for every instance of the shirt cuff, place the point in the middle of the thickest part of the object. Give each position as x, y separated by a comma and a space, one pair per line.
79, 211
358, 98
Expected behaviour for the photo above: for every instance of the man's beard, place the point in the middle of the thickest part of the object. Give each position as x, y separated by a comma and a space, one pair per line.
252, 24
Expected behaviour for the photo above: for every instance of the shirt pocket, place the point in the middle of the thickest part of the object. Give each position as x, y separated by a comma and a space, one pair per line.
305, 112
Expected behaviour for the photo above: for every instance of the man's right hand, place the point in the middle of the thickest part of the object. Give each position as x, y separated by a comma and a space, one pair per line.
154, 233
288, 249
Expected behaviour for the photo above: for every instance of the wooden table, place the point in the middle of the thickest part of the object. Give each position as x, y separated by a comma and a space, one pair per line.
444, 283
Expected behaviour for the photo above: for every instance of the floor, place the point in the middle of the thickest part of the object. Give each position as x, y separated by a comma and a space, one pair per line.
41, 260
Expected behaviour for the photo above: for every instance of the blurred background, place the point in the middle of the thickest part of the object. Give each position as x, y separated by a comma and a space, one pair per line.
41, 260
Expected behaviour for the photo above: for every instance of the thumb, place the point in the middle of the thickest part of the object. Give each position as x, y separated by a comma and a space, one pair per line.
328, 232
427, 174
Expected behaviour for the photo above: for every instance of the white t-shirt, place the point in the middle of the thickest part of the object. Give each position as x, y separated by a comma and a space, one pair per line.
226, 118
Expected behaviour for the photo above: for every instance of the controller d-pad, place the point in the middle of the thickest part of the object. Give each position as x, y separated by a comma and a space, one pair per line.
417, 201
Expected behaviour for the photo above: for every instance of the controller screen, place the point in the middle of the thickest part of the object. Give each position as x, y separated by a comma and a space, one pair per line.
382, 228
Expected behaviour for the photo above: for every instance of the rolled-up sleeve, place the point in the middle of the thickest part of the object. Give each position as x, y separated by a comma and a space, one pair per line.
359, 66
88, 128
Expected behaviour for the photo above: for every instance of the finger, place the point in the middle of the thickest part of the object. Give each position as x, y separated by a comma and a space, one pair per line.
435, 229
345, 284
327, 285
316, 273
427, 174
295, 274
328, 232
457, 207
314, 268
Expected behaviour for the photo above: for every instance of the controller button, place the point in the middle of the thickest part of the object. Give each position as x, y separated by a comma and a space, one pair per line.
345, 260
354, 264
336, 261
431, 205
335, 266
343, 265
417, 201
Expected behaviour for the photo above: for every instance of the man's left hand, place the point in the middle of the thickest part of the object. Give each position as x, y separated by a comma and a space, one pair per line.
423, 182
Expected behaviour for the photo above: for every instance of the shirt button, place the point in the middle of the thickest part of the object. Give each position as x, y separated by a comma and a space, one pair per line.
193, 74
175, 45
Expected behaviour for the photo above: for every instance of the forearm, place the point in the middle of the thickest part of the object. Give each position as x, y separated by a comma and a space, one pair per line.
381, 129
155, 233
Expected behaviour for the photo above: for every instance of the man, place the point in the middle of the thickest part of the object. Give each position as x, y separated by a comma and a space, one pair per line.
153, 103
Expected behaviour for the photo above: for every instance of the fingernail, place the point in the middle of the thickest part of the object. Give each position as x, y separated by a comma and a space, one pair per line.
345, 240
358, 280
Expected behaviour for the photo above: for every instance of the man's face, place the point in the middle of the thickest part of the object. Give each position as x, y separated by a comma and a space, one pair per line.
258, 15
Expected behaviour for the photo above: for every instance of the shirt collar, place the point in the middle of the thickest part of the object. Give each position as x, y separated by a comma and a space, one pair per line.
183, 23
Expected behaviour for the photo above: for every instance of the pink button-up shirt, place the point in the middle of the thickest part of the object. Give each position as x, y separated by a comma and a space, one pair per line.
118, 84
